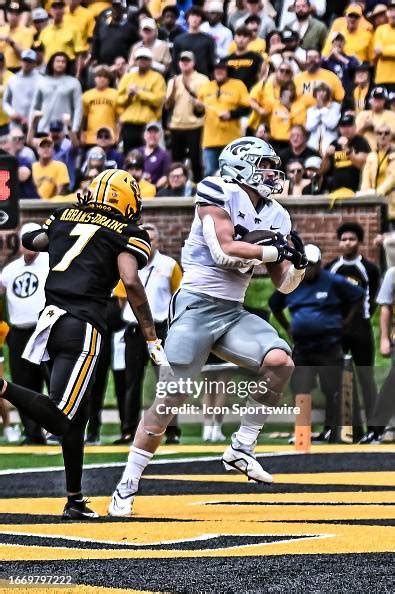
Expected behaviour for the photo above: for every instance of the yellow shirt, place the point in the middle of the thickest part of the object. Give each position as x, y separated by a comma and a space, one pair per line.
23, 37
62, 38
148, 190
281, 119
358, 44
49, 177
81, 20
368, 116
384, 38
100, 109
229, 96
4, 78
182, 115
306, 82
359, 96
257, 45
95, 8
146, 105
339, 25
156, 7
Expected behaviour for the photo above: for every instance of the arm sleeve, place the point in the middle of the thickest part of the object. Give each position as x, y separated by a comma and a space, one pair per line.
175, 279
137, 242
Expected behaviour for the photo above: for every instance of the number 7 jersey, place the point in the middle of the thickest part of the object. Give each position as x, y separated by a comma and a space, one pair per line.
84, 244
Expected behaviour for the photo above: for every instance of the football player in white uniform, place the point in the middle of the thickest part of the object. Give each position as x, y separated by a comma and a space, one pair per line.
207, 313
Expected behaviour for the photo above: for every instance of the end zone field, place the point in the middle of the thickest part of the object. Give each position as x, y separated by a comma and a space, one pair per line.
325, 525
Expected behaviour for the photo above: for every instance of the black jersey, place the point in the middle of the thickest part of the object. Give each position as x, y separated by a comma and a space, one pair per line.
84, 244
362, 272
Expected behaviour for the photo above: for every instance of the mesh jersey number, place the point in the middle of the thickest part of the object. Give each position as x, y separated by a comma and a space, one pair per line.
84, 234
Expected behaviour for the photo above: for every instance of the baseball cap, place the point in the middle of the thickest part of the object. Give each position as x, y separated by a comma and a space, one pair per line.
151, 125
347, 119
353, 9
45, 140
379, 93
97, 153
57, 3
363, 67
221, 63
313, 163
215, 7
187, 56
135, 162
29, 55
148, 24
313, 253
39, 14
143, 52
378, 9
56, 126
289, 35
105, 129
337, 35
28, 228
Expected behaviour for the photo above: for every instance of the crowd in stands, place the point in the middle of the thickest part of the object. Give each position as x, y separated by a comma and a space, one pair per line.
160, 87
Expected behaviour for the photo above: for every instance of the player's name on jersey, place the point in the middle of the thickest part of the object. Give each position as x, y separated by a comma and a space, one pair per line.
79, 216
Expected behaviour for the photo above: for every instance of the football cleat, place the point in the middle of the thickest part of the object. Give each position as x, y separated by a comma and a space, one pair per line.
245, 462
372, 437
78, 510
217, 434
122, 500
207, 432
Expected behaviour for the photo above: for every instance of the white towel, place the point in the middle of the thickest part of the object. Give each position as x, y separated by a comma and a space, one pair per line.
36, 347
118, 350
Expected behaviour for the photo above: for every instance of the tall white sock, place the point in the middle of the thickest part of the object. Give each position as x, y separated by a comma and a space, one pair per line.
135, 466
247, 435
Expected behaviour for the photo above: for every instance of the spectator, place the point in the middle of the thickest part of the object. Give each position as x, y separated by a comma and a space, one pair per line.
367, 120
340, 63
39, 22
50, 177
149, 39
185, 126
358, 42
119, 68
378, 16
245, 64
358, 99
169, 29
135, 166
96, 159
18, 147
5, 77
316, 181
57, 93
14, 145
312, 32
297, 148
322, 119
39, 49
255, 9
19, 92
224, 101
156, 159
317, 321
287, 8
105, 139
257, 44
213, 26
383, 42
345, 158
64, 151
201, 44
113, 36
314, 75
237, 16
99, 106
79, 18
295, 175
178, 183
340, 23
141, 94
290, 51
358, 338
22, 282
378, 174
60, 36
290, 110
14, 37
267, 92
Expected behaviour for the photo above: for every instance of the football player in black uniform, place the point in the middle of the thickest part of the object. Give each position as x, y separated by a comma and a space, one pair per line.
358, 339
91, 245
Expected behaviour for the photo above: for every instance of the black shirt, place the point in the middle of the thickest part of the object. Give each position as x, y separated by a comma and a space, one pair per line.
112, 39
245, 67
343, 173
363, 273
203, 47
84, 244
287, 155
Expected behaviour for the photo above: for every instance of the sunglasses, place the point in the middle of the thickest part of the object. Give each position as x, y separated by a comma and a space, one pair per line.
386, 133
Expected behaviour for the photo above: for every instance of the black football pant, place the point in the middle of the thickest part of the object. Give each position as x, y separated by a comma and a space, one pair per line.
188, 143
25, 374
74, 348
360, 343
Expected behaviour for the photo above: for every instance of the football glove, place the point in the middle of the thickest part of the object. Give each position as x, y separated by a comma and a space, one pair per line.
157, 353
296, 254
268, 238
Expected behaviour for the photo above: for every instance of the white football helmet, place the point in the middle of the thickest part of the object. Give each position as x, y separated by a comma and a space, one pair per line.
253, 162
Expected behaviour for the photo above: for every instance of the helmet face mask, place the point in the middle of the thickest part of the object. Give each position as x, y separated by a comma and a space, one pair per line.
116, 189
253, 162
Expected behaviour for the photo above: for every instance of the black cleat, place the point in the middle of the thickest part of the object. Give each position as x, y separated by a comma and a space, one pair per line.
173, 435
78, 510
124, 439
372, 437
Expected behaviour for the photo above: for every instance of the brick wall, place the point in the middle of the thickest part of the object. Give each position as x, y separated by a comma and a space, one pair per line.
311, 217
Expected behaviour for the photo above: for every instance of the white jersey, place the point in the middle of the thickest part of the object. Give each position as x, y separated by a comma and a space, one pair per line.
201, 273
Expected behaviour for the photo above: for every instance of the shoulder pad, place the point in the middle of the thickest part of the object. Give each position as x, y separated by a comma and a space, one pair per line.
211, 190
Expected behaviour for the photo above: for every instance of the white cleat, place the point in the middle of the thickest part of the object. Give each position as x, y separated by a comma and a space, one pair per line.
122, 501
246, 463
217, 434
207, 432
